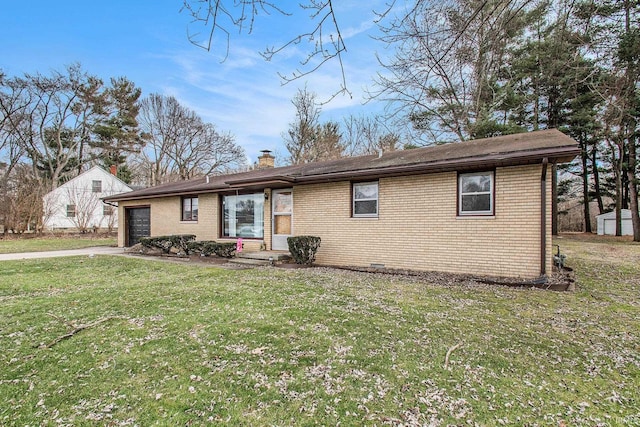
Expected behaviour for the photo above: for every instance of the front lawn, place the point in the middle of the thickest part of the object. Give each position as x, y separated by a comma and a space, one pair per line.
53, 243
123, 341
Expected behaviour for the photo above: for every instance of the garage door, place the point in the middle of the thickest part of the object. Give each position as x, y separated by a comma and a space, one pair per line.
138, 224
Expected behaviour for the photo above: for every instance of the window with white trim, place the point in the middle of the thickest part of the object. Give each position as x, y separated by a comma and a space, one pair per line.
96, 186
365, 199
71, 211
475, 193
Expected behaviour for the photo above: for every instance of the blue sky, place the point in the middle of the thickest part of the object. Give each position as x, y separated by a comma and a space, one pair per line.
146, 41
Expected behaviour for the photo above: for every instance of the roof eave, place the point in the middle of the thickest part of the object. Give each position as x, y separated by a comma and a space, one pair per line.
554, 155
155, 195
278, 179
561, 154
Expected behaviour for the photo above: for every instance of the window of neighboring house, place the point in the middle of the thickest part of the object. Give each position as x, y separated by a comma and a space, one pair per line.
243, 216
189, 208
107, 210
71, 211
365, 199
475, 193
96, 186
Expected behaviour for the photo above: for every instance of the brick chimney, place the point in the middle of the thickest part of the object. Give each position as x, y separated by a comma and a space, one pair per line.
114, 170
266, 160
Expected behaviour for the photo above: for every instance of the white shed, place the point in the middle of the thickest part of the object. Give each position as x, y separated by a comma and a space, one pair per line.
607, 223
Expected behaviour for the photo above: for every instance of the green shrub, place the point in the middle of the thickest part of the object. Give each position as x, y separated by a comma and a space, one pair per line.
225, 250
194, 247
209, 247
303, 248
166, 243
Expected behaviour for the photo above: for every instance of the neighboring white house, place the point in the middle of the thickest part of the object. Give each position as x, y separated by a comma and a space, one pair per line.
77, 204
607, 223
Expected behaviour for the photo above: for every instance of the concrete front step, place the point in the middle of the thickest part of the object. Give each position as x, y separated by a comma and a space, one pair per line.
261, 258
265, 255
249, 261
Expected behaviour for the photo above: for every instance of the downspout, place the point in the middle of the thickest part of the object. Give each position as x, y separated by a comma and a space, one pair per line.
543, 218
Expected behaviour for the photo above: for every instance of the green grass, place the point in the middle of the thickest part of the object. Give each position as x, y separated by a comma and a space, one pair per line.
19, 245
187, 345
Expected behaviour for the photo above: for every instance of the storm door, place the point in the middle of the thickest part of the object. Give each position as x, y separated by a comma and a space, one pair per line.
282, 224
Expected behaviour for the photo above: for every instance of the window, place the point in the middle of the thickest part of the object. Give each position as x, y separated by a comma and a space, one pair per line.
189, 209
96, 186
365, 199
71, 211
243, 216
475, 193
107, 210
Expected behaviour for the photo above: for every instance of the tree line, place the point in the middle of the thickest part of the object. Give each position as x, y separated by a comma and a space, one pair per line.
53, 127
457, 70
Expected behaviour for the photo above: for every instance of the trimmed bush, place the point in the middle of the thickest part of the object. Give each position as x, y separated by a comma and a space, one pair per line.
303, 248
209, 247
166, 243
194, 248
225, 250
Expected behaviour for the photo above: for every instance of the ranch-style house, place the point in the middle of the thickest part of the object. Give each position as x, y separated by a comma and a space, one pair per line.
481, 207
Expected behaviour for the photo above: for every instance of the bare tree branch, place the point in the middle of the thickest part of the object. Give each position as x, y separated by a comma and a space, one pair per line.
324, 38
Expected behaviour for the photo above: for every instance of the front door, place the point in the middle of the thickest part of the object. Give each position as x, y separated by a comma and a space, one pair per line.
282, 218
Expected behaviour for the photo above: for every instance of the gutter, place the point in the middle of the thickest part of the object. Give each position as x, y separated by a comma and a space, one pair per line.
543, 218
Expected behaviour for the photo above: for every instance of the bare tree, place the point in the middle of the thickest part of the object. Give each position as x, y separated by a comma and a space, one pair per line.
308, 140
204, 152
447, 58
24, 208
85, 203
613, 34
53, 123
328, 144
11, 122
181, 145
110, 217
368, 135
301, 135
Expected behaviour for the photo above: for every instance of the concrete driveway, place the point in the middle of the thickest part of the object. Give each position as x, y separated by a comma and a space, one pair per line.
98, 250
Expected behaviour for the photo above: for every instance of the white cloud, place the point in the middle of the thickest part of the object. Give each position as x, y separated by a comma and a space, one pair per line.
245, 96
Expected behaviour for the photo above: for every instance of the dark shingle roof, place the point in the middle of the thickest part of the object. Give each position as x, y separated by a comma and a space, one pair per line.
508, 150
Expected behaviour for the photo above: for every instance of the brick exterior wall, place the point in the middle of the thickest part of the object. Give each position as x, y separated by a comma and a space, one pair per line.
165, 219
417, 226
